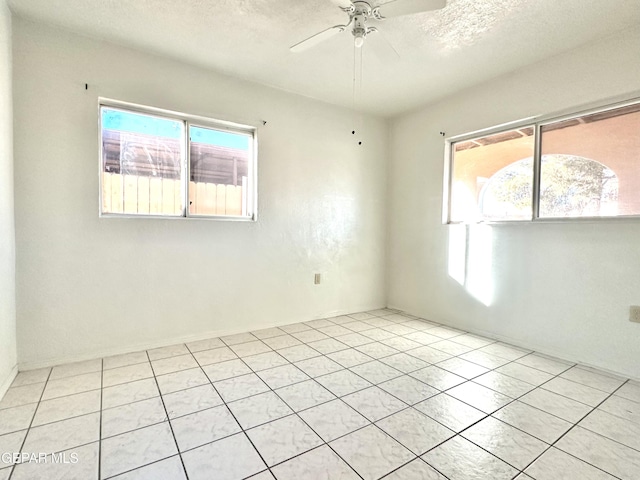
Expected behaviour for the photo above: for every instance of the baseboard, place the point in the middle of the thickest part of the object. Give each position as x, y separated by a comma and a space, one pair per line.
107, 352
4, 386
532, 346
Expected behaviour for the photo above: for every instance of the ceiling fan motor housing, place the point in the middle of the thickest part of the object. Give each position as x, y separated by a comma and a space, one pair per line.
360, 13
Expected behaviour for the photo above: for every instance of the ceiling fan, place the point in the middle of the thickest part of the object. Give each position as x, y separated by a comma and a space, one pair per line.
361, 11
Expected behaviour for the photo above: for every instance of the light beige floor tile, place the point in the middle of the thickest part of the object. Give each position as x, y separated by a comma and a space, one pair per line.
125, 360
533, 421
65, 434
22, 395
129, 393
418, 432
282, 439
333, 419
204, 427
191, 400
16, 418
460, 459
371, 452
231, 458
86, 466
30, 377
258, 409
301, 396
77, 368
132, 416
174, 382
318, 464
450, 412
612, 457
505, 442
555, 464
66, 407
374, 403
130, 373
167, 469
206, 344
137, 448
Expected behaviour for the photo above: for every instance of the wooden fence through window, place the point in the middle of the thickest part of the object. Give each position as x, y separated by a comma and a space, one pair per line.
134, 194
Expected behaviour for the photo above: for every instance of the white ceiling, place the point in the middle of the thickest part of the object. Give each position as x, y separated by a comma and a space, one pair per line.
441, 52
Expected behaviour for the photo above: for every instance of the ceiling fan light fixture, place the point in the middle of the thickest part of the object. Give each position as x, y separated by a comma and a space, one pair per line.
358, 41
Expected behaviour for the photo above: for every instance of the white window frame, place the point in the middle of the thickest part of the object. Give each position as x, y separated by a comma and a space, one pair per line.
188, 120
537, 123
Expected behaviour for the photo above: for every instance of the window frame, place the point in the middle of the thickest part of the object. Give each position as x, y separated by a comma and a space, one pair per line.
537, 122
187, 120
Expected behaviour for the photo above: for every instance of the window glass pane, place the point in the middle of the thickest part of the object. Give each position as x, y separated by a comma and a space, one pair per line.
141, 163
220, 172
591, 165
492, 177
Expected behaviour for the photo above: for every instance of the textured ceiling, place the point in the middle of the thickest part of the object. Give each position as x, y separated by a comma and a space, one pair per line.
440, 52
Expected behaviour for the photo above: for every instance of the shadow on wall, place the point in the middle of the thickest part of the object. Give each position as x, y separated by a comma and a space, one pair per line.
470, 260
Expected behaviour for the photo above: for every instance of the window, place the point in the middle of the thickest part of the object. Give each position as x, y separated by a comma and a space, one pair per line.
584, 166
477, 162
165, 164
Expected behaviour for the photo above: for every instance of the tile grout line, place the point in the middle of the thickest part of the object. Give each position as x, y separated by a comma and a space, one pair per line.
35, 412
100, 424
166, 412
145, 465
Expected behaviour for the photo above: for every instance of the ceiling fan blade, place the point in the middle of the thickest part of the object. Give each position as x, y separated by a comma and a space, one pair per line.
343, 4
317, 38
381, 47
398, 8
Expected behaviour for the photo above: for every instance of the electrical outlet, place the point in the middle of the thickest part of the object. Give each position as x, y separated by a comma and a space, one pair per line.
317, 278
634, 314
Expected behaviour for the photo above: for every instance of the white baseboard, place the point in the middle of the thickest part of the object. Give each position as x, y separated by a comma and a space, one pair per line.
107, 352
6, 383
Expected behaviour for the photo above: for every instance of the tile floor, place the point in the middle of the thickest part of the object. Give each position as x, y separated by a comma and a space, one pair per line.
362, 396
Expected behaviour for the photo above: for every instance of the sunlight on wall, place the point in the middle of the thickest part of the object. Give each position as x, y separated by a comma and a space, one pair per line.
471, 259
479, 263
458, 253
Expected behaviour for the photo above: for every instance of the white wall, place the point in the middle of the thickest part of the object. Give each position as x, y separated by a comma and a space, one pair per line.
8, 357
89, 286
562, 288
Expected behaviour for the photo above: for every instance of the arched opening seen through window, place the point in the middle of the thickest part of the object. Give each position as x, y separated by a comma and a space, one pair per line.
570, 186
